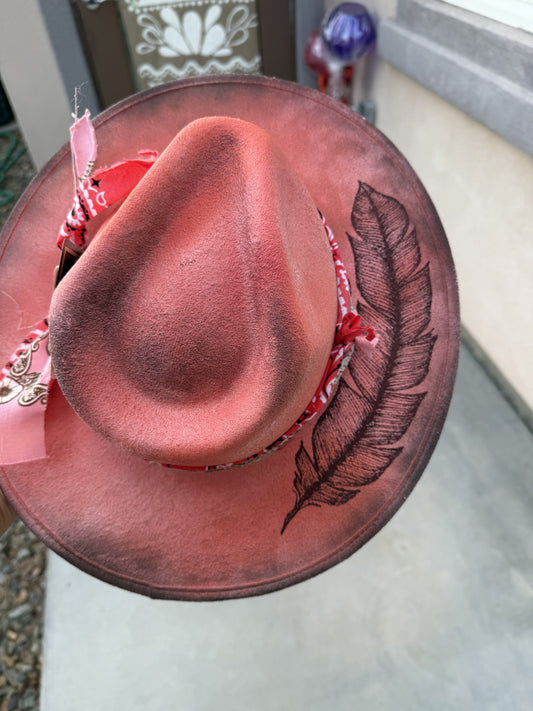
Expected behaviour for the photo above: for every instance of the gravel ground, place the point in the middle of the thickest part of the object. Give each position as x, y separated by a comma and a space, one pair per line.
22, 556
22, 567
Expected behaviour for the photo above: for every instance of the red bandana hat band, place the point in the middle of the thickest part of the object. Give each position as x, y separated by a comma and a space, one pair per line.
26, 378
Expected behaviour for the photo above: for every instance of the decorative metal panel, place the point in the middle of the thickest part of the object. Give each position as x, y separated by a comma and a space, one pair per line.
169, 39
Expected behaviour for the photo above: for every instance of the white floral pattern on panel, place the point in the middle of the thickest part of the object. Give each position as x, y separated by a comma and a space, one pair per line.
191, 34
158, 75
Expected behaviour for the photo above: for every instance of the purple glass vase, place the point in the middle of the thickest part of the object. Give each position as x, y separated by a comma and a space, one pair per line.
348, 32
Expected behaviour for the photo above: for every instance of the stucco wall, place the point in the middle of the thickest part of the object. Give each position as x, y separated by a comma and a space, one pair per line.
482, 187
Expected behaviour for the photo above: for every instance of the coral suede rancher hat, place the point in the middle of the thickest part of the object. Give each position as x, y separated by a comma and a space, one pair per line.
250, 350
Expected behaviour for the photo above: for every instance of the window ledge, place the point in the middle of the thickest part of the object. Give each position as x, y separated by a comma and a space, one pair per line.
479, 65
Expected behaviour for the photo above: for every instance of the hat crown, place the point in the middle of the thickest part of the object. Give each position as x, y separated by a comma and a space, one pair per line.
196, 327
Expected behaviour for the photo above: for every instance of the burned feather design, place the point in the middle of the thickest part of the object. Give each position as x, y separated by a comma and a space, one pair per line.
358, 436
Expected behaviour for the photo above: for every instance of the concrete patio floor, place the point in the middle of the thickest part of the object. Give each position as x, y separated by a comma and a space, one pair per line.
435, 612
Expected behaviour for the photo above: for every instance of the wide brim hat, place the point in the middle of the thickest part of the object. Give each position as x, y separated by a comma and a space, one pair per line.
247, 530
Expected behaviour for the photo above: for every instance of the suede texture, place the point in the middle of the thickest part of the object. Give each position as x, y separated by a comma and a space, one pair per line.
208, 301
290, 515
